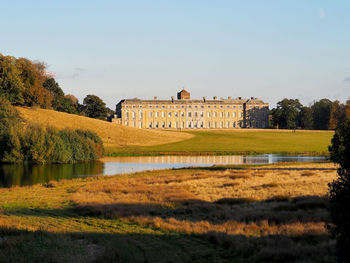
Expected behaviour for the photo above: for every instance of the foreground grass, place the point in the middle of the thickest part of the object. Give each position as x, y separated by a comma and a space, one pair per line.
220, 214
239, 142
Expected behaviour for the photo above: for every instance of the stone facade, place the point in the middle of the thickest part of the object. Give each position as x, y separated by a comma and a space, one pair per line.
185, 113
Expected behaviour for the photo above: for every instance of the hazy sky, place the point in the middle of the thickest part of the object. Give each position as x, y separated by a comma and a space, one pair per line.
126, 49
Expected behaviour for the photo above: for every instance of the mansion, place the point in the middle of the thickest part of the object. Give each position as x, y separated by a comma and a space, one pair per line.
187, 113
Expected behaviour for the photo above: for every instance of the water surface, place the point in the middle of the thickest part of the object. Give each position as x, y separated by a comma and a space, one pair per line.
29, 174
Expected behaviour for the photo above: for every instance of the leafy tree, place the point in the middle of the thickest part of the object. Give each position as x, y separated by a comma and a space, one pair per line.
347, 109
73, 98
61, 102
33, 76
94, 107
339, 194
67, 105
337, 115
306, 119
340, 147
11, 85
286, 114
321, 114
51, 85
24, 82
58, 95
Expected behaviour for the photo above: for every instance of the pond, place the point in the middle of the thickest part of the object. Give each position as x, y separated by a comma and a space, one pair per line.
29, 174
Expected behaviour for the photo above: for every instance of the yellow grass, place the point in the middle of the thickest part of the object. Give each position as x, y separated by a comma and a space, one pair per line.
135, 198
112, 135
171, 186
259, 214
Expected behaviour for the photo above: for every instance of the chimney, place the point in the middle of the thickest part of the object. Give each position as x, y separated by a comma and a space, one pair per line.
155, 97
214, 98
172, 98
204, 99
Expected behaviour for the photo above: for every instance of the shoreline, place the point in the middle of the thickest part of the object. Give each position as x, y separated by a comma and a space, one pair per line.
210, 153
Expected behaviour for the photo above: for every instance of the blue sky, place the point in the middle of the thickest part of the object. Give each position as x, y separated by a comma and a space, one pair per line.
125, 49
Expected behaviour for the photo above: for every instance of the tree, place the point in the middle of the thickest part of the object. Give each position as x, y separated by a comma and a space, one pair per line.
66, 104
339, 192
51, 85
73, 98
340, 147
94, 107
61, 102
347, 109
287, 113
321, 114
11, 86
33, 76
337, 115
306, 119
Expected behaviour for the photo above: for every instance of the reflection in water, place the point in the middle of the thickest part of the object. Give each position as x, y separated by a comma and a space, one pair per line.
29, 174
120, 165
212, 159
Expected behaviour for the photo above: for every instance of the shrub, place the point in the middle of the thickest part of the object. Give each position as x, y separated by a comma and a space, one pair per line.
339, 194
340, 148
10, 133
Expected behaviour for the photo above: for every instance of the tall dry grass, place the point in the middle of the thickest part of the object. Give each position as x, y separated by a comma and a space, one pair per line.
249, 212
231, 214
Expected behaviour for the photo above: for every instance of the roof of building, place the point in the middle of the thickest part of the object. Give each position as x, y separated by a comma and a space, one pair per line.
229, 100
193, 101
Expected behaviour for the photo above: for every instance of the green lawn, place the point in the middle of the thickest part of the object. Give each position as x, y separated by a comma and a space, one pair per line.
239, 142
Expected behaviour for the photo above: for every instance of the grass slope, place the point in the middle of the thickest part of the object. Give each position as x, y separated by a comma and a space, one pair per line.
216, 214
240, 141
112, 135
120, 140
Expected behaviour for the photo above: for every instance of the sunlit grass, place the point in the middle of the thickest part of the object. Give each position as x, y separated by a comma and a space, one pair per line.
242, 213
240, 142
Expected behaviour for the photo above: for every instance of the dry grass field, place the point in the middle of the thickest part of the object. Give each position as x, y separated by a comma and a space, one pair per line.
112, 135
273, 213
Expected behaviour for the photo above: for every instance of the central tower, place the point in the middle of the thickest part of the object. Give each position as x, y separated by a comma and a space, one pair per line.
183, 95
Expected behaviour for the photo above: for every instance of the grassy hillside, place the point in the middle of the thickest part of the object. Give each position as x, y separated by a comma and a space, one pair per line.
241, 141
120, 140
216, 214
112, 135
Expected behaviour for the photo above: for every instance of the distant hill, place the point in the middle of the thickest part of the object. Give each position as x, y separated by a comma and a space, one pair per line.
112, 135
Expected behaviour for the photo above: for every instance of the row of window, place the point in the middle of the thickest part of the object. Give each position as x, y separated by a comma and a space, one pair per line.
189, 124
187, 106
156, 114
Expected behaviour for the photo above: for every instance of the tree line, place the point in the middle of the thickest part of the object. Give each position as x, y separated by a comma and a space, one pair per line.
21, 142
321, 115
27, 83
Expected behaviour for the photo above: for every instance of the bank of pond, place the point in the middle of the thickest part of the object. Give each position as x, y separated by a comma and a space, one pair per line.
26, 174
